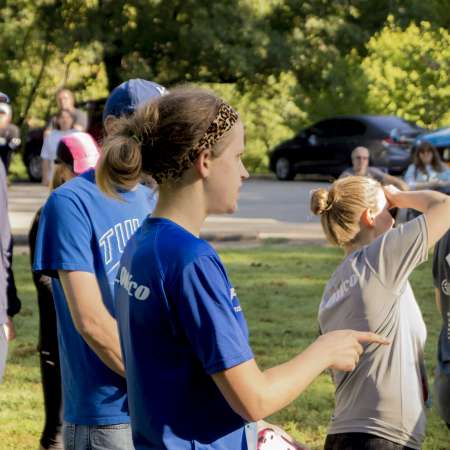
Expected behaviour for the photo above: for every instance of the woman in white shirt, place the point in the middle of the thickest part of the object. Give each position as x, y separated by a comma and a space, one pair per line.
65, 121
427, 170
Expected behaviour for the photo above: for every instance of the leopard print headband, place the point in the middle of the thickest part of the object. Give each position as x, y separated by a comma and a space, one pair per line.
225, 119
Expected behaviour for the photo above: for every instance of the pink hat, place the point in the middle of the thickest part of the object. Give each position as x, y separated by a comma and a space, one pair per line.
78, 150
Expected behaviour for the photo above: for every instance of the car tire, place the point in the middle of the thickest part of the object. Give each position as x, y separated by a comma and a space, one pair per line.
34, 168
284, 169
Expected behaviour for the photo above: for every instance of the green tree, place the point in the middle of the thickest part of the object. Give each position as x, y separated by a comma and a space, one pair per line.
408, 72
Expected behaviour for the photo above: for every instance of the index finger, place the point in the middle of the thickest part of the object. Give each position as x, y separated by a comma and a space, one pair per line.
367, 336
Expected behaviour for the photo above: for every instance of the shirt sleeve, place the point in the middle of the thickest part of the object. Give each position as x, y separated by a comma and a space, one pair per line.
209, 318
64, 238
395, 254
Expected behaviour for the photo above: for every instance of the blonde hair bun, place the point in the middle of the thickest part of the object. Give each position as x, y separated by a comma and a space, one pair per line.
319, 201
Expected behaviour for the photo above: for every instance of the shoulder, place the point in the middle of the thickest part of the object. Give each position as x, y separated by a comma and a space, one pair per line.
346, 173
72, 192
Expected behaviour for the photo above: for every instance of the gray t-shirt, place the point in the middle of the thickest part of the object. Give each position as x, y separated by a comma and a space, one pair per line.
372, 172
370, 291
441, 276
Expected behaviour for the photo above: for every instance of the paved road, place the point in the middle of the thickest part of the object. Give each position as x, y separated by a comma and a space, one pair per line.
267, 209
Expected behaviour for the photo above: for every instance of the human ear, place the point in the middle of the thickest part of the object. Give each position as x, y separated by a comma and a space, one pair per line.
367, 218
203, 163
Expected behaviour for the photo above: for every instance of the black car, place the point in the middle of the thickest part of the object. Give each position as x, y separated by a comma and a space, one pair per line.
31, 154
325, 147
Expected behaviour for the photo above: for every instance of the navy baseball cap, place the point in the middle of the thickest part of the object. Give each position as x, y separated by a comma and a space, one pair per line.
126, 97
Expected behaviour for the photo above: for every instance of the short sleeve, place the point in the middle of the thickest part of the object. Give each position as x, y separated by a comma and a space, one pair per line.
212, 323
64, 238
395, 254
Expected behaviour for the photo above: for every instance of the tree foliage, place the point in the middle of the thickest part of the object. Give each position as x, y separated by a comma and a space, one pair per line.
408, 72
282, 63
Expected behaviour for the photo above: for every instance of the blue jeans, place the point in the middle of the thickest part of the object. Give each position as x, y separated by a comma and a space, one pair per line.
97, 437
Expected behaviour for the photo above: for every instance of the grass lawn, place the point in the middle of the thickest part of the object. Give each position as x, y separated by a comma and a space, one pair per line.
279, 287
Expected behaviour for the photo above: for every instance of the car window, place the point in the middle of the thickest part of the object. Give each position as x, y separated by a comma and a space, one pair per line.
326, 128
349, 127
387, 123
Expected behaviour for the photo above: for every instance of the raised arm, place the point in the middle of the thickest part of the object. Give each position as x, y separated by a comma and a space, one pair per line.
254, 394
434, 205
91, 318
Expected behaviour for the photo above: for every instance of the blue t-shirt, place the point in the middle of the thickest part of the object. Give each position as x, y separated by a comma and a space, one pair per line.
179, 322
81, 229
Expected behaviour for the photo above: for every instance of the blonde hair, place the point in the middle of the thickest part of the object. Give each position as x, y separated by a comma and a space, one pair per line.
157, 139
340, 207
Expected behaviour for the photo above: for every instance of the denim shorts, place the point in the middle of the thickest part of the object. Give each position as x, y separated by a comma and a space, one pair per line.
97, 437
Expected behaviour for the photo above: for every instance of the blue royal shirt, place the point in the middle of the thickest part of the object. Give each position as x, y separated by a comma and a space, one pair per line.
81, 229
180, 321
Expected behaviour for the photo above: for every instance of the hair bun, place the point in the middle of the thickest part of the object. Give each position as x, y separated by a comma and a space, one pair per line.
319, 201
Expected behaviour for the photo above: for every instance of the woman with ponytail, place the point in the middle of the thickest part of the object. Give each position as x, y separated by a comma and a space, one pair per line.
192, 378
381, 404
81, 237
75, 154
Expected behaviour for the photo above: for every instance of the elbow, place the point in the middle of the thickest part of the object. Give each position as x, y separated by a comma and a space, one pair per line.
86, 327
254, 416
252, 411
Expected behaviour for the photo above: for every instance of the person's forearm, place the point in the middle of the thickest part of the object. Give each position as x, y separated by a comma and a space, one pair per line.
102, 336
255, 395
287, 381
422, 200
91, 318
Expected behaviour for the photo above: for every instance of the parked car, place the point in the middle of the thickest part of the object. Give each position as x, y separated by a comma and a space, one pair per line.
31, 154
325, 147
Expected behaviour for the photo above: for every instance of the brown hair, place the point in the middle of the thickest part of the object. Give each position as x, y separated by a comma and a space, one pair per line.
62, 173
340, 207
436, 162
157, 139
61, 112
